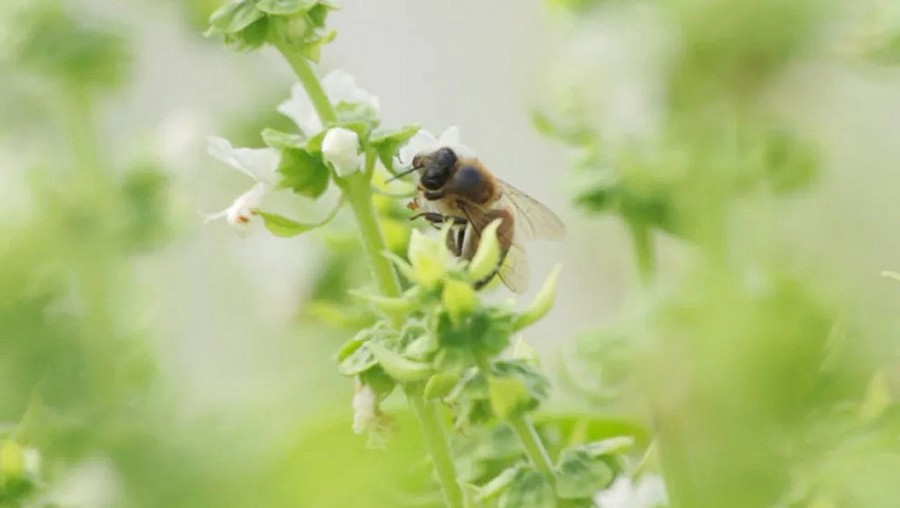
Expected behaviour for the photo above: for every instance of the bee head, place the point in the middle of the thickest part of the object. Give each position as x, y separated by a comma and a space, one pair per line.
436, 168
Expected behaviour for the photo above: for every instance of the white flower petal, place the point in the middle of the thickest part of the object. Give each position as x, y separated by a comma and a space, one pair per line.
365, 408
300, 109
340, 86
340, 148
422, 142
425, 142
261, 163
241, 211
221, 149
648, 492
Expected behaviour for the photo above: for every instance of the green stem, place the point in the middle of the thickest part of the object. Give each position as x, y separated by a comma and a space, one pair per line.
642, 237
357, 190
433, 429
311, 84
534, 448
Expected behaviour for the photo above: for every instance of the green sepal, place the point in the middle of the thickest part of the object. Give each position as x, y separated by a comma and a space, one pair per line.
285, 7
358, 361
542, 302
498, 484
487, 256
387, 144
509, 396
440, 385
233, 17
400, 368
283, 140
390, 306
303, 172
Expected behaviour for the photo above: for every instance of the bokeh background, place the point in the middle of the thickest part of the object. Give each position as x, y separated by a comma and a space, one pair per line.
152, 360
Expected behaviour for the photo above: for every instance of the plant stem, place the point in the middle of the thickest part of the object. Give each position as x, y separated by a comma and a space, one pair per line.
311, 84
357, 190
430, 419
358, 193
534, 448
642, 238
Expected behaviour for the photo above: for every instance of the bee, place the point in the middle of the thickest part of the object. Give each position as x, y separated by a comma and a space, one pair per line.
461, 191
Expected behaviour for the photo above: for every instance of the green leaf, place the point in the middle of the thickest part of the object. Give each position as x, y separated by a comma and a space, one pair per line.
234, 17
282, 140
579, 474
304, 173
529, 489
284, 7
400, 368
280, 225
440, 385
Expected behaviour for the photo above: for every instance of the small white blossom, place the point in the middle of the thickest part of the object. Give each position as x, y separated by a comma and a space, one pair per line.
425, 142
365, 408
242, 209
341, 149
648, 492
368, 417
259, 164
340, 87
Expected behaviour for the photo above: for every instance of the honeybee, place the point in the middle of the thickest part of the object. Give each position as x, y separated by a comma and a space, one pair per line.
461, 191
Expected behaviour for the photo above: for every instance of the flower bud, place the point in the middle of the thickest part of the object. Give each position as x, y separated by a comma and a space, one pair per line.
542, 303
459, 299
428, 259
340, 148
487, 257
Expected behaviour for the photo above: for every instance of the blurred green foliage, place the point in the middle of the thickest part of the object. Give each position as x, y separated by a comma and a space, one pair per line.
764, 385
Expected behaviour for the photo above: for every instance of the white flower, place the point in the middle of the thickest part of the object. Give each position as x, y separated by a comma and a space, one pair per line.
365, 408
368, 418
341, 149
259, 164
425, 142
340, 87
649, 492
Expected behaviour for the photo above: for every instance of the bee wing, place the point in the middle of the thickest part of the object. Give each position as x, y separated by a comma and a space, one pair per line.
533, 219
514, 269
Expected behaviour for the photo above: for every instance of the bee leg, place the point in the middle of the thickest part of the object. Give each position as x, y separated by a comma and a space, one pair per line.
433, 195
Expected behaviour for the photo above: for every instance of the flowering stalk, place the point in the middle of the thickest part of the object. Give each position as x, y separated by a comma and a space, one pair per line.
357, 190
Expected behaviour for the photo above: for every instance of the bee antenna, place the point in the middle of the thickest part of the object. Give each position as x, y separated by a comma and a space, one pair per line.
399, 175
